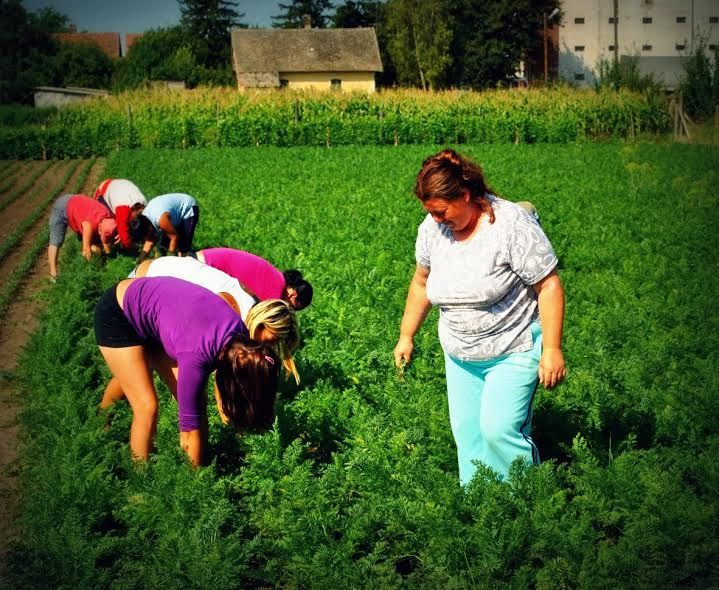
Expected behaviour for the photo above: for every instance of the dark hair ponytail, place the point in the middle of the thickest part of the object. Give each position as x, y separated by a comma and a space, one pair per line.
247, 375
293, 278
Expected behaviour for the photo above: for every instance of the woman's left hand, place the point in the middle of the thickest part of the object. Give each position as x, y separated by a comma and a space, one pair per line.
551, 367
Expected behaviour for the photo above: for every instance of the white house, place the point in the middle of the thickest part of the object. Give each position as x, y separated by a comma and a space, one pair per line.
658, 32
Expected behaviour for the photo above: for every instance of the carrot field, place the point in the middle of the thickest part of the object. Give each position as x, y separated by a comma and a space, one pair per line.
356, 485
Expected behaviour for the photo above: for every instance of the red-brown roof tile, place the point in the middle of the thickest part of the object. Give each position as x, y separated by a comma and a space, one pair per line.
108, 42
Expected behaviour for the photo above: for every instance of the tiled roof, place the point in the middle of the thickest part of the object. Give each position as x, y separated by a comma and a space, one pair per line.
108, 42
305, 50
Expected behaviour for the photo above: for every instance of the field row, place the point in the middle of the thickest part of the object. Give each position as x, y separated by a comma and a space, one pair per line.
356, 485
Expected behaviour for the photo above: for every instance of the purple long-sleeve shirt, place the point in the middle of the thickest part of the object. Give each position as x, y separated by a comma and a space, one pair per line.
192, 324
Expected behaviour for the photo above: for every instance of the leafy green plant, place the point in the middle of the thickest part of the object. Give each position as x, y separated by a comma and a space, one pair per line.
356, 485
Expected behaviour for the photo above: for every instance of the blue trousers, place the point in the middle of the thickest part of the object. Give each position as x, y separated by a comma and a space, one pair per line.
490, 408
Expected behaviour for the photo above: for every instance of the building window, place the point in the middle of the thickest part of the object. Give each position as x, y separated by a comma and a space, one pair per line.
681, 19
579, 76
579, 20
647, 20
680, 46
335, 84
579, 48
612, 47
284, 83
611, 20
646, 47
713, 20
713, 47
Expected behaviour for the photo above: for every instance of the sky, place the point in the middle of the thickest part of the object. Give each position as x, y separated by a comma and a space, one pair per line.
137, 16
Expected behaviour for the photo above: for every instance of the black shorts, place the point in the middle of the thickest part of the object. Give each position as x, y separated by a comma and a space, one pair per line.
112, 328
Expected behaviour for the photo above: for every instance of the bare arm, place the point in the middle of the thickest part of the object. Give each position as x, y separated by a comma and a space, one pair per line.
87, 234
169, 229
551, 313
193, 442
106, 246
415, 312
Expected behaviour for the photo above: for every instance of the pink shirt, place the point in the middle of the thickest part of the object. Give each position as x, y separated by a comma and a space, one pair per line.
81, 208
255, 273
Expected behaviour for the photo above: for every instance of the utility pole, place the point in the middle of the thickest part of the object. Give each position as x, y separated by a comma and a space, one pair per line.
616, 32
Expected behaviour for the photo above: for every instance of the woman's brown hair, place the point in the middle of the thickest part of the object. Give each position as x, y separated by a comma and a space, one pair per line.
446, 175
247, 375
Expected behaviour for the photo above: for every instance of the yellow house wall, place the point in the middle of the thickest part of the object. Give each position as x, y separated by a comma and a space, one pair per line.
321, 80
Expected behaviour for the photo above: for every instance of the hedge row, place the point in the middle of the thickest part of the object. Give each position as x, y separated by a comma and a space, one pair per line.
225, 118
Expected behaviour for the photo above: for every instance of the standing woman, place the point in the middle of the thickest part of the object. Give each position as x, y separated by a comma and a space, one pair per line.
173, 218
184, 332
491, 270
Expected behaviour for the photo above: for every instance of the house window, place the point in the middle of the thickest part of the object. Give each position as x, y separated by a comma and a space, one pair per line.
612, 47
611, 20
681, 19
335, 84
579, 76
713, 20
646, 47
647, 20
713, 47
284, 83
680, 46
579, 20
579, 48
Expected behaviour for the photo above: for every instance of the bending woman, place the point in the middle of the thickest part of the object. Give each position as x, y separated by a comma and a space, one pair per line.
491, 270
272, 321
184, 332
259, 277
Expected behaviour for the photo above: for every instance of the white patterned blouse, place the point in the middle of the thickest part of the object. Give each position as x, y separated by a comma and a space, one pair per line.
483, 285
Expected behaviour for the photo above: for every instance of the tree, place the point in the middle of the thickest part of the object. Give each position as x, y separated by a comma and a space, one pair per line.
83, 64
492, 37
419, 34
292, 14
696, 86
208, 23
153, 57
26, 52
352, 15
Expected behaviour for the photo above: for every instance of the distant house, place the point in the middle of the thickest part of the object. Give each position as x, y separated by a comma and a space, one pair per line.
108, 42
330, 59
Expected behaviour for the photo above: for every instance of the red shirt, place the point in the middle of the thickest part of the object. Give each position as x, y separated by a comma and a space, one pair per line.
81, 208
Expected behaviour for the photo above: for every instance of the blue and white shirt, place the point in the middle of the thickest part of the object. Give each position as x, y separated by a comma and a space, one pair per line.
177, 205
483, 285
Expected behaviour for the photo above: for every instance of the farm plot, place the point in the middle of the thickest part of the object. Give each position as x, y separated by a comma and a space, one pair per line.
356, 486
27, 190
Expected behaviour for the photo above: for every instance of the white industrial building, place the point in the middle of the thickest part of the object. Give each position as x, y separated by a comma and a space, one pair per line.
660, 33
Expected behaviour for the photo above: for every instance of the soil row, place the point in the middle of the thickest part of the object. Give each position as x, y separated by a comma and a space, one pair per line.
21, 317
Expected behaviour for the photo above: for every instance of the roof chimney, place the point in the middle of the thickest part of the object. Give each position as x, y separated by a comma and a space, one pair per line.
306, 21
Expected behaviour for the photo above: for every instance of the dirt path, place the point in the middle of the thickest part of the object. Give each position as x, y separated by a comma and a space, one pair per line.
20, 321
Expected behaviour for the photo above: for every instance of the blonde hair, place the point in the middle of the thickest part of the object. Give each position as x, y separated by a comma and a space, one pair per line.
279, 320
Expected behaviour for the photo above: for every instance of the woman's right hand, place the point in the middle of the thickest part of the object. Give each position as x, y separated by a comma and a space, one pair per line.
403, 351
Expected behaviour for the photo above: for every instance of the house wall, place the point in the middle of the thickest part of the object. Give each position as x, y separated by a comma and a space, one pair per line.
46, 98
362, 81
662, 37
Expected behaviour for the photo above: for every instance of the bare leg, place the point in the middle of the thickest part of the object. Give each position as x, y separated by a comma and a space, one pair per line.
113, 393
129, 366
52, 254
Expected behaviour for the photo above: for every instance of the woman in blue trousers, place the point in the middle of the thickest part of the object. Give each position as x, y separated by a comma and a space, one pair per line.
486, 263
